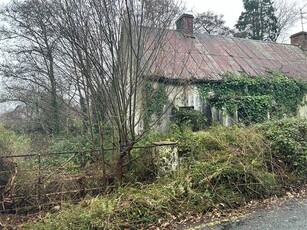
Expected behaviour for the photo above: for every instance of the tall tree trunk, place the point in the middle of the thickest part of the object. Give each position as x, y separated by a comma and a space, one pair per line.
55, 118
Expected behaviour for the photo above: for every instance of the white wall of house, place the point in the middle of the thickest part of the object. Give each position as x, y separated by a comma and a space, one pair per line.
188, 96
302, 112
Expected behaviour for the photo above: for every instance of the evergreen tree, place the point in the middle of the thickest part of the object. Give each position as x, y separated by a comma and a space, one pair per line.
258, 21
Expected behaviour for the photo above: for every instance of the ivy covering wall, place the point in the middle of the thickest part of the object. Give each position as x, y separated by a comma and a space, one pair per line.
251, 98
254, 97
154, 100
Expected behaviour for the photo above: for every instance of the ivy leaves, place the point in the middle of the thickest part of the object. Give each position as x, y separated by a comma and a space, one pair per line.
250, 108
254, 97
288, 138
154, 101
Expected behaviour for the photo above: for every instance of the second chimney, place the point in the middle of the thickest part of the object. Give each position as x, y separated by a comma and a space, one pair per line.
185, 25
299, 39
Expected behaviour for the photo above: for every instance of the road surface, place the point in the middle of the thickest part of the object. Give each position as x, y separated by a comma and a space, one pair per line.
288, 215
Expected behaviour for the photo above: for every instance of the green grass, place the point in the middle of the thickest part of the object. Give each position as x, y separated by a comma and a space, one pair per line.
221, 165
11, 143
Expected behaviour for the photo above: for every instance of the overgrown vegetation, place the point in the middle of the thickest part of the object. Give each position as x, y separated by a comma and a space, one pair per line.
186, 116
288, 139
154, 100
10, 143
224, 165
254, 98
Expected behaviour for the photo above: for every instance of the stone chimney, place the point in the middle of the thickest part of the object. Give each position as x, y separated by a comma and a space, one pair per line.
299, 39
184, 24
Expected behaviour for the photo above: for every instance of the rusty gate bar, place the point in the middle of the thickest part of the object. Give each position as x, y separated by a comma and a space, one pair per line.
73, 178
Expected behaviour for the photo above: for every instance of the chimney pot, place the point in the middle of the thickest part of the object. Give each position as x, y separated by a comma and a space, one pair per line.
299, 39
184, 24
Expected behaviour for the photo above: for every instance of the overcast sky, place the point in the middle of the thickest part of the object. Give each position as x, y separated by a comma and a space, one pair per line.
231, 9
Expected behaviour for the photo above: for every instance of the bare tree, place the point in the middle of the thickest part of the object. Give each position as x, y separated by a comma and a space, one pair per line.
30, 55
210, 23
114, 45
106, 49
287, 14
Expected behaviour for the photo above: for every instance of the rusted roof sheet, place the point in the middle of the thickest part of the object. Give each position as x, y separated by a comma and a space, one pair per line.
209, 57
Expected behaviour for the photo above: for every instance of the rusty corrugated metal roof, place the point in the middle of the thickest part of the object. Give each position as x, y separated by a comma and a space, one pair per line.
209, 57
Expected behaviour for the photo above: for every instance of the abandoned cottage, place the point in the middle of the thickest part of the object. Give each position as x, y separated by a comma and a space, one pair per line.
210, 60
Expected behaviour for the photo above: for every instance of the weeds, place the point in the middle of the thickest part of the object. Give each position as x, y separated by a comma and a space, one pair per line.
10, 143
288, 138
223, 165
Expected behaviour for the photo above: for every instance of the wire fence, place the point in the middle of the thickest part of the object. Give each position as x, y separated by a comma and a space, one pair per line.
38, 181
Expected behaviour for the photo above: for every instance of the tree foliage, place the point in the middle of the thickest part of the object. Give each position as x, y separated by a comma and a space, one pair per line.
258, 21
210, 23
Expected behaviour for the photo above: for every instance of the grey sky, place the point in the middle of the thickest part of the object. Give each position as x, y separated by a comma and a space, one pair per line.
231, 9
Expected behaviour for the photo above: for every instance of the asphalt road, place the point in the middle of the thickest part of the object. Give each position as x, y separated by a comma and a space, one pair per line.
290, 215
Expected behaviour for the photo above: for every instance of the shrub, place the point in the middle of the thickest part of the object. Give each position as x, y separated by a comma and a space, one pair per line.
288, 138
62, 144
187, 116
229, 165
10, 143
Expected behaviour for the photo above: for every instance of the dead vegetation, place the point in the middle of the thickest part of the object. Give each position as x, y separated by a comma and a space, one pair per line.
222, 168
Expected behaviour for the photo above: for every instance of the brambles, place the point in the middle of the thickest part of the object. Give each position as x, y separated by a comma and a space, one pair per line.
223, 165
288, 138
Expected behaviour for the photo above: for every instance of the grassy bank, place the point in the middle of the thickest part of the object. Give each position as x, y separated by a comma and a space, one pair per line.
220, 166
